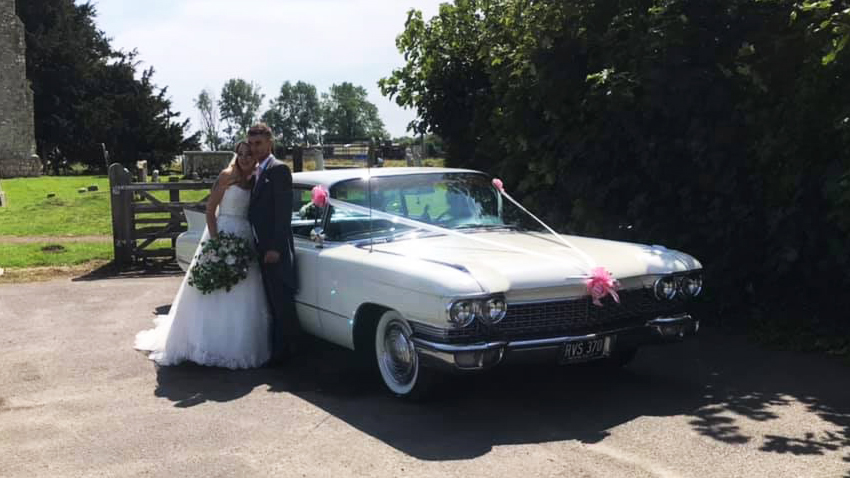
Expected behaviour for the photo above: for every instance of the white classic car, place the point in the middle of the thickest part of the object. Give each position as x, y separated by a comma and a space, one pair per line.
418, 268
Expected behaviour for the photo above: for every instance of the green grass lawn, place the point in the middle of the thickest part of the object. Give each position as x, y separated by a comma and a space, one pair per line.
31, 213
70, 213
33, 255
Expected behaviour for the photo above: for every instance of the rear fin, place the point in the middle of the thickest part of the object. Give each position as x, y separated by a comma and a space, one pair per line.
196, 220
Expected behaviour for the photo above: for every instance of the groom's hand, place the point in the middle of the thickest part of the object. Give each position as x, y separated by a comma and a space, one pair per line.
272, 257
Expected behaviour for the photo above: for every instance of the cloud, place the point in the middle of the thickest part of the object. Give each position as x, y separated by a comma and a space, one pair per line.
197, 44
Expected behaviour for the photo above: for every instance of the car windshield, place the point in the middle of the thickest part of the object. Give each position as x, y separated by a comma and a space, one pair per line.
448, 200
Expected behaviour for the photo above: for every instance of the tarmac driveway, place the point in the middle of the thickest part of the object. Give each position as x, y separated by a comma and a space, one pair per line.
77, 400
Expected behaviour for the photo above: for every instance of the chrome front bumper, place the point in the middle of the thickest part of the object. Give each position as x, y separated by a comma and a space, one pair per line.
480, 356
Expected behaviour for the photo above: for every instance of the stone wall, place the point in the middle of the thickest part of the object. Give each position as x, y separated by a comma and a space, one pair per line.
17, 137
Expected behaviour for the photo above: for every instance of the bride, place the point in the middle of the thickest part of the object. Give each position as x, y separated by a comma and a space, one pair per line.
223, 329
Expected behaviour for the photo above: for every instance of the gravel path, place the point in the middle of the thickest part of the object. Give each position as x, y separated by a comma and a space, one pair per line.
77, 400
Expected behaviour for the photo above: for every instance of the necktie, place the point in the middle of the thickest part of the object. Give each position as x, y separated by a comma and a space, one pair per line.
257, 173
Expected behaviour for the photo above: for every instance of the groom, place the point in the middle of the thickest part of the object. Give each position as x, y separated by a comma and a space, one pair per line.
270, 214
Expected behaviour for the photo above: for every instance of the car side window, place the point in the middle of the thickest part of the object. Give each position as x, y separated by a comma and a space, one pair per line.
305, 215
346, 224
349, 225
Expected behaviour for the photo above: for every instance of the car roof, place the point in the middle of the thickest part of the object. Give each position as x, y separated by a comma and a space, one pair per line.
329, 177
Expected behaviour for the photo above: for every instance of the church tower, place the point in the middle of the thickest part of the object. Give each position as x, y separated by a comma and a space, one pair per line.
17, 136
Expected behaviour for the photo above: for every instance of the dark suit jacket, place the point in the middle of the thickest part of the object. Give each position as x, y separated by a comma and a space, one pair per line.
270, 213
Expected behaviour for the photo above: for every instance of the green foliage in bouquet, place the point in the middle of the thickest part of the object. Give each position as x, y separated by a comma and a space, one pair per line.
221, 264
310, 211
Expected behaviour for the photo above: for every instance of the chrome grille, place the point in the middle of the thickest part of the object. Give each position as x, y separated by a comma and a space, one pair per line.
571, 316
579, 315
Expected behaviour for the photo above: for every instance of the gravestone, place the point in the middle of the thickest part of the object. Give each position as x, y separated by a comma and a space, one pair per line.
142, 171
17, 136
205, 164
418, 153
316, 155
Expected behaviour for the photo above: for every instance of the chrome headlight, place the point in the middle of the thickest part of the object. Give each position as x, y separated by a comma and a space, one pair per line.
462, 313
665, 288
691, 285
494, 310
489, 310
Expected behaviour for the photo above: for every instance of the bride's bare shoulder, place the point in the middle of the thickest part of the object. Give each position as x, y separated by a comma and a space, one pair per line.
223, 180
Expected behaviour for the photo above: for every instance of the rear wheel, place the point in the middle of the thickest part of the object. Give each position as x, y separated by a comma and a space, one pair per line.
397, 360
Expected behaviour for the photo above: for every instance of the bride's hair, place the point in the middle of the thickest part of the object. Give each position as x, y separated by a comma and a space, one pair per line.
237, 175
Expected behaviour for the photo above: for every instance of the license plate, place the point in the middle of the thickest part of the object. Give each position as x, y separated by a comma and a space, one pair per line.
590, 349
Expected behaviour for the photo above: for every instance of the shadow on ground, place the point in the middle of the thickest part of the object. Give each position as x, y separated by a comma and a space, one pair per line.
718, 381
138, 270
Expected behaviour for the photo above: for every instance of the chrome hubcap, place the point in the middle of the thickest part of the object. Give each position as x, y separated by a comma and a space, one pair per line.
398, 355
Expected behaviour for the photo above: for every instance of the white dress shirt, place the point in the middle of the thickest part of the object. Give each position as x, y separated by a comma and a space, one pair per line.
261, 168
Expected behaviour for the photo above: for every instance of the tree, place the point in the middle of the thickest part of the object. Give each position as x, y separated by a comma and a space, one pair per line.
210, 128
295, 113
239, 107
348, 115
134, 117
714, 127
86, 93
281, 125
434, 146
445, 80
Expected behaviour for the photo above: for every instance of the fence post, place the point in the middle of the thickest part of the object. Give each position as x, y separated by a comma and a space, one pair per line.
174, 196
297, 159
122, 215
370, 156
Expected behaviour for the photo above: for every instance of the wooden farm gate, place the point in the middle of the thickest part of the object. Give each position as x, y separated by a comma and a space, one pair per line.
139, 218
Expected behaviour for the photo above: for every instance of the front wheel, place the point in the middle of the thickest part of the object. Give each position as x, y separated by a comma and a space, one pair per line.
397, 360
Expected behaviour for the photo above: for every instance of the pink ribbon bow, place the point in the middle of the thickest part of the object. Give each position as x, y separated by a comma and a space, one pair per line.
600, 284
498, 184
320, 196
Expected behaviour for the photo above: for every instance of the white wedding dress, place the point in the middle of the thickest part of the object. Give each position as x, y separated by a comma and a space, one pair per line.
222, 329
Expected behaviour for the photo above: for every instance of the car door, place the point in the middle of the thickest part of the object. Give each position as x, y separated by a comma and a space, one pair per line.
306, 259
340, 273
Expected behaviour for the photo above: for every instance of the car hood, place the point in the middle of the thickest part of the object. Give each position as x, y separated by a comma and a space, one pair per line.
516, 261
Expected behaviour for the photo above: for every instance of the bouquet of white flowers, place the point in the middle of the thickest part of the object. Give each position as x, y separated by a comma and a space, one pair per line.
222, 263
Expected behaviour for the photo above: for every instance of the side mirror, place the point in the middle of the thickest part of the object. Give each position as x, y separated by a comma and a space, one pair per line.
317, 235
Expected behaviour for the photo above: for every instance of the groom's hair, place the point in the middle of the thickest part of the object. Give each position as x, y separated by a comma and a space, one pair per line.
260, 129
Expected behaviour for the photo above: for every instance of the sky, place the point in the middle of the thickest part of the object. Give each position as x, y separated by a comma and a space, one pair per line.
200, 44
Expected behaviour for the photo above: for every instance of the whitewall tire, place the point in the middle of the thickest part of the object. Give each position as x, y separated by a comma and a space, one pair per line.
396, 357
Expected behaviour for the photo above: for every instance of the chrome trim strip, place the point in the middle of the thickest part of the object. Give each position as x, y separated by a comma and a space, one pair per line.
443, 355
568, 338
439, 358
305, 304
552, 341
451, 349
633, 289
447, 264
674, 320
